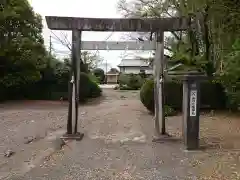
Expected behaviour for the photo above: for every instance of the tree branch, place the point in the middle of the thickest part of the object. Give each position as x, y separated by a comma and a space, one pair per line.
62, 40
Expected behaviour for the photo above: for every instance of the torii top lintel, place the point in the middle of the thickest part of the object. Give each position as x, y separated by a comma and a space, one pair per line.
122, 24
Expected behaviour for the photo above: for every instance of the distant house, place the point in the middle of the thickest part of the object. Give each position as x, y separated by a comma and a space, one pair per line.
137, 65
112, 76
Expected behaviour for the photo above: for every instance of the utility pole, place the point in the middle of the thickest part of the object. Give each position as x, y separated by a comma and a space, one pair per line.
106, 72
50, 45
106, 66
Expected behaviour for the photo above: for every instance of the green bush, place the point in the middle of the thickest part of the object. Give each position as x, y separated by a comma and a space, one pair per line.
173, 94
94, 78
130, 82
212, 95
147, 95
99, 73
94, 90
54, 90
143, 74
123, 79
88, 89
230, 78
147, 98
169, 111
135, 81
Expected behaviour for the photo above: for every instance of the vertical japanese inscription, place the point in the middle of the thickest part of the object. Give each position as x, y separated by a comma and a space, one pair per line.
193, 103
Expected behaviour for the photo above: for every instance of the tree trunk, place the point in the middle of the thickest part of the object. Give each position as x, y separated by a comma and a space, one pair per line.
208, 43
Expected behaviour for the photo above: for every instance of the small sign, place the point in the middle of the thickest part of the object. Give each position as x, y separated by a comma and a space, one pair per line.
193, 103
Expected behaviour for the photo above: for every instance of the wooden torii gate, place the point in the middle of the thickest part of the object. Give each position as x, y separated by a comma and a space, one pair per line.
77, 25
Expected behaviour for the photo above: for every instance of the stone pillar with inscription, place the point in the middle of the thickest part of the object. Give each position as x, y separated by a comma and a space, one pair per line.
191, 109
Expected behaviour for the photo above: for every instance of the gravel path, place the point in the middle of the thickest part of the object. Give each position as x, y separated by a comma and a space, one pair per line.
118, 142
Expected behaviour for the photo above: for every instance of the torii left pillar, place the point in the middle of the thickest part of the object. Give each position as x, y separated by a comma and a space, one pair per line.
74, 85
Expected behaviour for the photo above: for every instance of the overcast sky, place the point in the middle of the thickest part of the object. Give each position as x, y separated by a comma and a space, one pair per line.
81, 8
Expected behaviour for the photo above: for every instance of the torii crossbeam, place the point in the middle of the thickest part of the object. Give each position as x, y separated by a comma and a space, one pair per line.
122, 24
118, 45
154, 25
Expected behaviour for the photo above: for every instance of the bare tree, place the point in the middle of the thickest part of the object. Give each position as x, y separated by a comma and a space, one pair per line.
63, 39
154, 9
92, 60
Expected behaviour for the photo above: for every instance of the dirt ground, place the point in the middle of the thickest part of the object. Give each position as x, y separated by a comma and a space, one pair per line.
117, 143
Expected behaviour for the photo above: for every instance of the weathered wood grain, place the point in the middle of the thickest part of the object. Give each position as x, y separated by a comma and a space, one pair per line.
124, 24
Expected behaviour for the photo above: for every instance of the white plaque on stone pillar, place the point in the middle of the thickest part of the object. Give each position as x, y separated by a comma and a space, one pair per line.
193, 103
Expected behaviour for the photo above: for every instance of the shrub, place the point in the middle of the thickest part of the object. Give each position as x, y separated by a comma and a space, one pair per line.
173, 95
147, 95
88, 88
135, 82
217, 98
230, 78
54, 91
143, 74
123, 79
94, 78
99, 73
95, 90
169, 111
147, 98
130, 82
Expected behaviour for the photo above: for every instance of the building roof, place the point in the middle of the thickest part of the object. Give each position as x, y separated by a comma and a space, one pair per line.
138, 62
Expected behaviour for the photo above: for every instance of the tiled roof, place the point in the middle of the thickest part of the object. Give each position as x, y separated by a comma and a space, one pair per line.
137, 62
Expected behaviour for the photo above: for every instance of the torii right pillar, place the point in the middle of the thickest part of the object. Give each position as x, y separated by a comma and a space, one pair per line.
191, 109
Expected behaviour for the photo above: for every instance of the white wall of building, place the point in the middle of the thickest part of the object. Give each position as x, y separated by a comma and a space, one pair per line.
135, 70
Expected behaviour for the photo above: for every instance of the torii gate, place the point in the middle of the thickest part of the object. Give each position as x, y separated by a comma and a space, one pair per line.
154, 25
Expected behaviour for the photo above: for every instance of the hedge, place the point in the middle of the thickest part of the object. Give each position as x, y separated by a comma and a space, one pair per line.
130, 81
51, 90
212, 95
